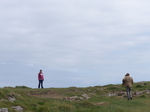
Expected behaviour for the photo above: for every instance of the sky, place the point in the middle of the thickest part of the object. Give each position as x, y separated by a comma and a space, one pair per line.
77, 43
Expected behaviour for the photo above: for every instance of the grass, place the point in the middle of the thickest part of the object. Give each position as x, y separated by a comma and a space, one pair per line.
52, 99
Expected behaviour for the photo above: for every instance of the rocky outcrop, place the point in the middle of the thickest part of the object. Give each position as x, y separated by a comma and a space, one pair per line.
123, 93
3, 100
18, 108
116, 93
11, 98
84, 96
4, 110
141, 92
73, 98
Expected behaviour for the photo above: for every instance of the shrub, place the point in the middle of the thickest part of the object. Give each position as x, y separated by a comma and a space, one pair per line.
138, 86
145, 83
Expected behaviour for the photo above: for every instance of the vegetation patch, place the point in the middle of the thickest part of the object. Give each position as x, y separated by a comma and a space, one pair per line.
108, 98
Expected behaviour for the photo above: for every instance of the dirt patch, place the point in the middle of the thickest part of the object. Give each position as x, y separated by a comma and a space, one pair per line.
46, 94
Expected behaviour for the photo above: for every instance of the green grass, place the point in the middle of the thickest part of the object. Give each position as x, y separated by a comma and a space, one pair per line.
51, 99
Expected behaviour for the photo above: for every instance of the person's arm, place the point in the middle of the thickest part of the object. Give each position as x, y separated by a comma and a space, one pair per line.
132, 81
123, 80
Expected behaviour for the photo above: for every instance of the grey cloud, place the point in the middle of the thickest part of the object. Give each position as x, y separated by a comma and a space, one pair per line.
83, 37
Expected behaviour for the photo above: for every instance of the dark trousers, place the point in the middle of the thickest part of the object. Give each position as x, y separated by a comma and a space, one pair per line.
129, 94
40, 84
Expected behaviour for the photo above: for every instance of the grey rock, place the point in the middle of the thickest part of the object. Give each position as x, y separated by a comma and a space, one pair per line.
18, 108
3, 100
11, 99
73, 98
85, 96
147, 91
112, 94
4, 110
138, 92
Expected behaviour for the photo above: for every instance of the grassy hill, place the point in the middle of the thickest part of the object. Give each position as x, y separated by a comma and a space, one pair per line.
109, 98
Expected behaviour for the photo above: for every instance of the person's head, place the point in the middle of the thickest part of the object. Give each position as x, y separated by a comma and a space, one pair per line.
40, 70
127, 74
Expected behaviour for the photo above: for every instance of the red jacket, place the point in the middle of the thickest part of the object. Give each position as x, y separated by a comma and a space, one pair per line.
40, 76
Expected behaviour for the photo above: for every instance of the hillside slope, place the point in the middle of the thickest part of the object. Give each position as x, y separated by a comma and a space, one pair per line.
109, 98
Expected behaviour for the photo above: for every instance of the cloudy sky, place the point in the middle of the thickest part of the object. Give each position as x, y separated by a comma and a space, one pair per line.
75, 42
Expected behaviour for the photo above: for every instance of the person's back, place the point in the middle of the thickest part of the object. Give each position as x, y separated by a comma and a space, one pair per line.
128, 82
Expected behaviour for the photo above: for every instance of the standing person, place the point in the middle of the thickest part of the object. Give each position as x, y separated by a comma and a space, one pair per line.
128, 82
41, 79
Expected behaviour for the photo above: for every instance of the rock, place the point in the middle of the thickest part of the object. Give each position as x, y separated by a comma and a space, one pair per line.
4, 110
147, 91
11, 99
91, 94
76, 90
121, 93
3, 100
85, 96
73, 98
112, 94
138, 93
17, 108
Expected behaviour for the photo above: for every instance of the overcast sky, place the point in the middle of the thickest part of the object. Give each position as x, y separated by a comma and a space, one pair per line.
75, 42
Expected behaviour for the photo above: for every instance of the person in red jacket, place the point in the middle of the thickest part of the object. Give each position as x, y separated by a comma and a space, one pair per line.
41, 79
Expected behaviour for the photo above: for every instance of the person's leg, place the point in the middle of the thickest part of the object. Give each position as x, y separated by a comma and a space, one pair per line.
128, 94
39, 84
42, 83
